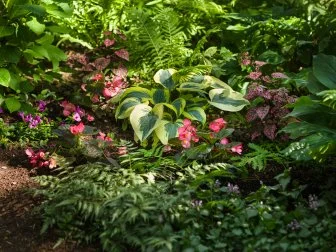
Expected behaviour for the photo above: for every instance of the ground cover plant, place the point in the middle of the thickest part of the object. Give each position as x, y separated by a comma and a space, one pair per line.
175, 125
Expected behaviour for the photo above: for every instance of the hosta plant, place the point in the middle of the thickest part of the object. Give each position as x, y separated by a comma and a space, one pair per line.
177, 95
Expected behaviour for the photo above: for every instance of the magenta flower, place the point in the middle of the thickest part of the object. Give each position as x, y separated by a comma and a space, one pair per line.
41, 106
224, 141
76, 117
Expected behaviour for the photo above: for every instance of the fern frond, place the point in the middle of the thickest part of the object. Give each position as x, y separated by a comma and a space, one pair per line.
329, 98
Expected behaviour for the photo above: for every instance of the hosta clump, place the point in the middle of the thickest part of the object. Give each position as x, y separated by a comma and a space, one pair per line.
176, 95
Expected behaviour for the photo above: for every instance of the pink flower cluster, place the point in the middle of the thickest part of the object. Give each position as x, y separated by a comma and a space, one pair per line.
77, 129
187, 133
112, 88
76, 112
216, 126
102, 136
40, 159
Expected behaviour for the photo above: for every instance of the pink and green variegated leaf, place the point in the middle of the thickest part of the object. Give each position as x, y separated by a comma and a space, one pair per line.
251, 115
122, 53
101, 63
270, 131
121, 71
262, 111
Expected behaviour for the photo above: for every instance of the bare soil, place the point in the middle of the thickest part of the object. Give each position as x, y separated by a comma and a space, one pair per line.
20, 223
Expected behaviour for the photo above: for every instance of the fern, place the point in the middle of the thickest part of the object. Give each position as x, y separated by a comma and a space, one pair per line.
329, 98
258, 158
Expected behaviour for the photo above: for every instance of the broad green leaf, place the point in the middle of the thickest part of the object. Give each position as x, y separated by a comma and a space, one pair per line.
158, 110
215, 82
36, 26
125, 108
140, 93
9, 54
179, 105
165, 78
143, 121
160, 95
211, 51
196, 114
47, 39
12, 104
167, 130
227, 99
271, 57
324, 69
6, 31
4, 77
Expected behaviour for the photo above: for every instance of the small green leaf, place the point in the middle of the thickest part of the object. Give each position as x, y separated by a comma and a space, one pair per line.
271, 57
12, 104
36, 26
6, 31
4, 77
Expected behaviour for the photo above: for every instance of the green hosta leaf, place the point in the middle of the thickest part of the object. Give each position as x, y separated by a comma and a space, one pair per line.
125, 108
179, 105
12, 104
227, 99
215, 82
4, 77
143, 121
158, 110
165, 78
324, 69
139, 93
160, 95
6, 31
36, 26
192, 87
196, 114
167, 130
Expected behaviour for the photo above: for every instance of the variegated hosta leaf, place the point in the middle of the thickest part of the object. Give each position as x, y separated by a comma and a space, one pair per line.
192, 87
177, 106
167, 130
165, 78
140, 93
160, 95
125, 108
143, 121
215, 83
227, 99
196, 114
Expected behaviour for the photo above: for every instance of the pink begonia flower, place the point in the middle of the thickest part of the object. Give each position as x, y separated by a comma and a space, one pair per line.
29, 152
187, 133
76, 117
77, 129
217, 125
90, 118
104, 137
109, 42
68, 108
237, 149
224, 141
95, 98
246, 62
97, 77
254, 75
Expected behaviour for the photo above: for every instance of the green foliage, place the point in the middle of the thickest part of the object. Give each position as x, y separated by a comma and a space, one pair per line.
27, 48
258, 157
316, 128
159, 111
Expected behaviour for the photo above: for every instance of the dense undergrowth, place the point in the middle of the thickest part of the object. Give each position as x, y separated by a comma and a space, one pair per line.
175, 125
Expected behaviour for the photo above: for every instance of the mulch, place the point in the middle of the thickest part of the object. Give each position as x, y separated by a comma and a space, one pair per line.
20, 223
